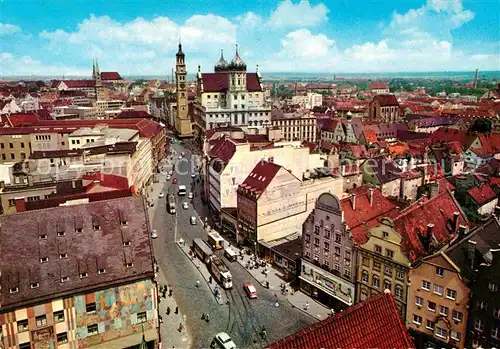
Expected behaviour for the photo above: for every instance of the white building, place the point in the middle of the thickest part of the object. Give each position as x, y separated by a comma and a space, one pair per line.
29, 103
230, 97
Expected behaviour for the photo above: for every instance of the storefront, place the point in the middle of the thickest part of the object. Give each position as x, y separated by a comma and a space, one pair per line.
327, 288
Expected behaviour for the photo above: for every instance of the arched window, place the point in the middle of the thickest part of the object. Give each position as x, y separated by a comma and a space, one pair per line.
364, 276
375, 281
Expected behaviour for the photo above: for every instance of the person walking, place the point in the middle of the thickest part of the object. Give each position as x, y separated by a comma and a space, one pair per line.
306, 306
197, 283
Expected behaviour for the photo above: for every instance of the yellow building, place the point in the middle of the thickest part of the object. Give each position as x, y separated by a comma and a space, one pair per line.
15, 144
438, 301
295, 127
383, 265
183, 125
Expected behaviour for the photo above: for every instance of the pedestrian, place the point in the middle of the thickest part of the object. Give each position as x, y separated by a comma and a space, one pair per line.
197, 283
168, 311
170, 293
180, 327
177, 310
210, 279
203, 316
207, 318
306, 306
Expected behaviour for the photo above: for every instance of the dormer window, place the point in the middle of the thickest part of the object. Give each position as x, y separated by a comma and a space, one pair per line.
127, 243
44, 259
130, 265
96, 226
60, 233
14, 289
63, 255
42, 237
34, 285
83, 275
78, 230
64, 278
101, 271
123, 222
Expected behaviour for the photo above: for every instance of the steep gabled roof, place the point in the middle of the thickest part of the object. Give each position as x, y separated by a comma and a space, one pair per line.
386, 100
482, 194
219, 82
260, 177
110, 75
374, 323
413, 223
376, 85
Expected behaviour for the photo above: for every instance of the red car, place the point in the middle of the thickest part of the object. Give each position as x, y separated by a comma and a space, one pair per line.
174, 181
250, 290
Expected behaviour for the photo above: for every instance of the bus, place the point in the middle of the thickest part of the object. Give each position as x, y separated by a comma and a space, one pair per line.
202, 250
171, 204
182, 190
215, 240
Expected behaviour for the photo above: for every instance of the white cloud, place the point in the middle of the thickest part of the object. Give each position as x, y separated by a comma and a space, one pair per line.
12, 65
249, 20
8, 29
302, 14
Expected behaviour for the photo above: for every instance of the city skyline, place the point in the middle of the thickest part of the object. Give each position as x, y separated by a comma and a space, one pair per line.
287, 36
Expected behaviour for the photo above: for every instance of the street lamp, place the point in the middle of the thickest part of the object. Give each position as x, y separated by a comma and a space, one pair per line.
144, 344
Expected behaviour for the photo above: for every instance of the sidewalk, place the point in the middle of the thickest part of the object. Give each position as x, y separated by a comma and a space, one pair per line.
203, 269
169, 329
275, 278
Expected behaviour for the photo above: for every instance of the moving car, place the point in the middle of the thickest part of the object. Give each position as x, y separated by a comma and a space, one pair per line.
192, 220
154, 234
193, 175
170, 172
223, 341
180, 157
250, 290
161, 195
190, 195
174, 181
168, 177
185, 205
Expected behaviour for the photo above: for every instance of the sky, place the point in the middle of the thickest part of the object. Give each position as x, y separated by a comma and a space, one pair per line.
61, 37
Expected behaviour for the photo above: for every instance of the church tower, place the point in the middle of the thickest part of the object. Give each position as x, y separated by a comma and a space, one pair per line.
100, 91
183, 125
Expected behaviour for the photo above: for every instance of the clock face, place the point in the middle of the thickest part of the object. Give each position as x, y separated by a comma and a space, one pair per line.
182, 85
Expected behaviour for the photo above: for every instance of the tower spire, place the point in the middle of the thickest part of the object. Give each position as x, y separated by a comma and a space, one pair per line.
97, 67
93, 68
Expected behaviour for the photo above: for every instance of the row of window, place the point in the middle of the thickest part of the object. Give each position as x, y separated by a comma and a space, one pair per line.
479, 326
438, 331
43, 137
11, 145
388, 270
443, 310
13, 156
450, 293
388, 253
398, 290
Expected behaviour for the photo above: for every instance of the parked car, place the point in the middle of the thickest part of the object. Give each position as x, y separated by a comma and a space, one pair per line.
174, 181
193, 175
168, 177
192, 220
223, 341
185, 205
180, 157
190, 195
250, 290
161, 195
154, 234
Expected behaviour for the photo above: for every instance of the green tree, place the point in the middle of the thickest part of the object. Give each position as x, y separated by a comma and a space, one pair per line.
481, 125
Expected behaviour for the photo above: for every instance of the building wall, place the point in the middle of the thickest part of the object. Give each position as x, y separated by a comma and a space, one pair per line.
409, 188
29, 193
14, 148
375, 265
488, 208
141, 166
391, 188
450, 280
49, 141
286, 203
119, 311
301, 129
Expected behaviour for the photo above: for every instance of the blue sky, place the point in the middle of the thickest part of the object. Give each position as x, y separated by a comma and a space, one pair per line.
138, 38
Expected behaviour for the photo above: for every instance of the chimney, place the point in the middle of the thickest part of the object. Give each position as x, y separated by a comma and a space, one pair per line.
455, 221
370, 191
471, 251
426, 240
462, 229
433, 189
353, 201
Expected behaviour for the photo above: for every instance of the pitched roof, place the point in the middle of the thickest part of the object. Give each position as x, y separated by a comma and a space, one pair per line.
110, 75
386, 100
413, 222
219, 82
223, 150
131, 114
107, 180
365, 216
376, 85
447, 135
86, 251
482, 194
370, 136
385, 170
260, 177
78, 83
23, 119
374, 323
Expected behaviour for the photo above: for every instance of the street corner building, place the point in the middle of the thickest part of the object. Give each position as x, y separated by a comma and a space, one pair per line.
374, 323
78, 276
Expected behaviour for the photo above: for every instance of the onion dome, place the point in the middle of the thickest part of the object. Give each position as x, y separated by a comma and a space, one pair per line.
237, 63
221, 65
180, 53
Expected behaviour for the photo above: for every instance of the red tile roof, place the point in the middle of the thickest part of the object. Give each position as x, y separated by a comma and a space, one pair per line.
386, 100
131, 114
445, 184
455, 148
219, 82
374, 323
79, 83
447, 135
377, 85
366, 216
413, 221
370, 136
223, 150
110, 75
490, 144
107, 180
260, 177
482, 194
23, 119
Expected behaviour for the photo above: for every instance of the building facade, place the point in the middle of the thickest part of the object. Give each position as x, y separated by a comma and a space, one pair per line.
300, 127
230, 97
383, 265
384, 108
77, 292
328, 269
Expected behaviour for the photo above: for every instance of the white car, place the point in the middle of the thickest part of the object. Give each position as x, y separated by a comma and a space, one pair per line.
192, 220
171, 173
193, 175
168, 177
180, 157
154, 234
224, 341
185, 205
190, 195
161, 195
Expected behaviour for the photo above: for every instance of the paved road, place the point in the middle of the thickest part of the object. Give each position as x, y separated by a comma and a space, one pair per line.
242, 318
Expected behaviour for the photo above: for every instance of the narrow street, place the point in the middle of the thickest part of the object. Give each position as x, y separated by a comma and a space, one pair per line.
241, 318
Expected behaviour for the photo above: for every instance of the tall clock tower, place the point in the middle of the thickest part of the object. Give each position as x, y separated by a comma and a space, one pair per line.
183, 125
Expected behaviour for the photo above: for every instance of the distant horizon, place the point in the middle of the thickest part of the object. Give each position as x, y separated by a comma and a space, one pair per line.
443, 74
